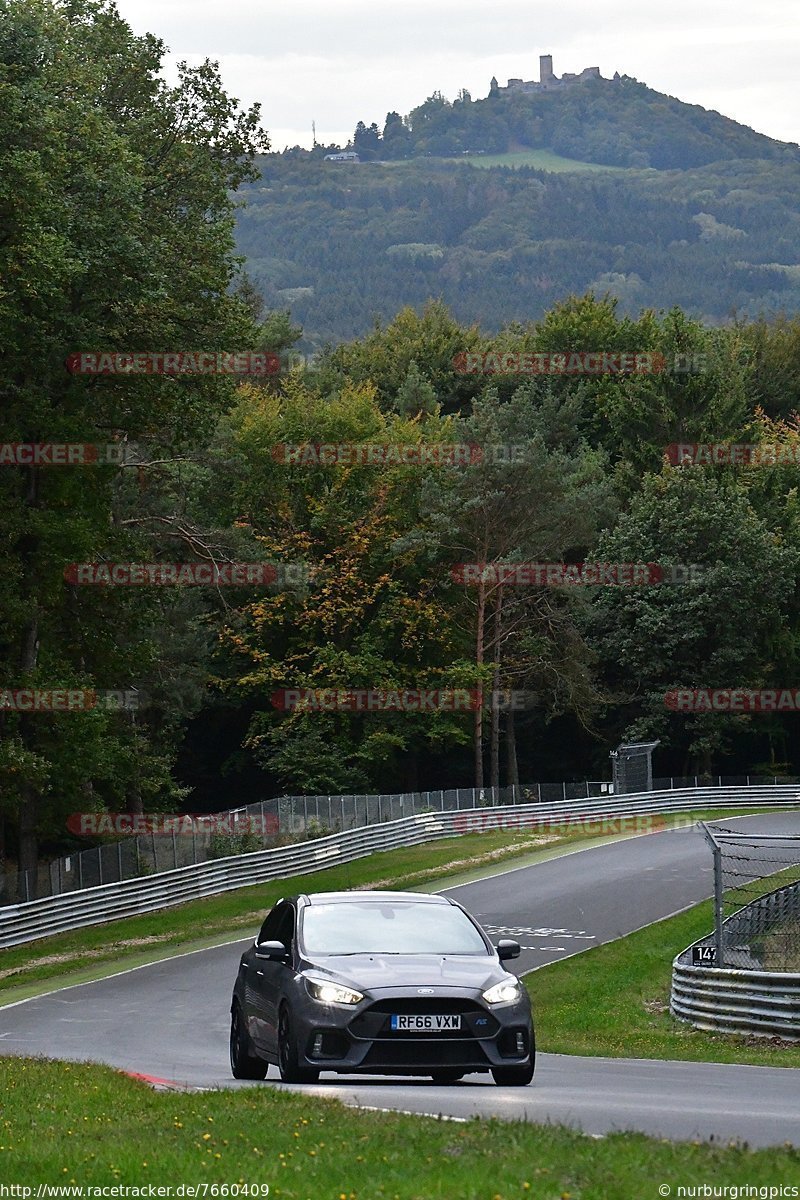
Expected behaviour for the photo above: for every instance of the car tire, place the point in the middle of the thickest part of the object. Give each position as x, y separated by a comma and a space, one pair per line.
512, 1076
288, 1060
516, 1076
445, 1077
244, 1064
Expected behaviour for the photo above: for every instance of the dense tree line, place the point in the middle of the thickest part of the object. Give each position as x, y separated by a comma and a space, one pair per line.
124, 241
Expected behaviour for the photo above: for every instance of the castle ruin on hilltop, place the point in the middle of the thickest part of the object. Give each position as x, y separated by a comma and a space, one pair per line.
548, 82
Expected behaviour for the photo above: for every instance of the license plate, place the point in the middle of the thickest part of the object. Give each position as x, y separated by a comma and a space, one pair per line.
432, 1024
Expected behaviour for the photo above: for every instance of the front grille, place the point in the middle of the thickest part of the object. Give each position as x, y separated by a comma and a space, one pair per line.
419, 1005
409, 1053
374, 1022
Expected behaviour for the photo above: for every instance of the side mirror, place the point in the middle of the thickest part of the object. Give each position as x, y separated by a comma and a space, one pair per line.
271, 950
508, 948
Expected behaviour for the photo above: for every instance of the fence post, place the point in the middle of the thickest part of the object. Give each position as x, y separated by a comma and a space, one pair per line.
718, 889
119, 859
100, 863
718, 913
80, 869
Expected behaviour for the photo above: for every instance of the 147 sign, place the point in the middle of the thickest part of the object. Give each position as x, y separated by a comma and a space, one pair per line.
704, 956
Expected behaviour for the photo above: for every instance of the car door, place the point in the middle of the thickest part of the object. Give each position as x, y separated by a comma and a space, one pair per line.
254, 1000
273, 977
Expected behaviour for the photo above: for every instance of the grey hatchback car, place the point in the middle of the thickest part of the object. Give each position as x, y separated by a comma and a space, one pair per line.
381, 983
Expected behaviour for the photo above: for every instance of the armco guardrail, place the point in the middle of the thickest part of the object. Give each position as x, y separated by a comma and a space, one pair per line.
731, 1001
107, 902
747, 1000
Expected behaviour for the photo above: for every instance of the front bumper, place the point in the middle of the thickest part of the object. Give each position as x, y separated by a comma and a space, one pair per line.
336, 1038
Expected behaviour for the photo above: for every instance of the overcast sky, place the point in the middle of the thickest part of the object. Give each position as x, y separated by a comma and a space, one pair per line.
340, 61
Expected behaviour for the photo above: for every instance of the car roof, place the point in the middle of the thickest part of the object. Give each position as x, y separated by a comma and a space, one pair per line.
360, 897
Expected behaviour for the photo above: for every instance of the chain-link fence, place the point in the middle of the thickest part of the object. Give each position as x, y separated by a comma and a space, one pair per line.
756, 901
287, 819
258, 826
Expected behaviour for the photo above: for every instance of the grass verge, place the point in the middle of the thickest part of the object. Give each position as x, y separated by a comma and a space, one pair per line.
81, 1125
613, 1000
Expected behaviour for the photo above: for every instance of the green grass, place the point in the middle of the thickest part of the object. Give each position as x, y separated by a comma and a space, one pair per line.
542, 160
76, 1124
613, 1001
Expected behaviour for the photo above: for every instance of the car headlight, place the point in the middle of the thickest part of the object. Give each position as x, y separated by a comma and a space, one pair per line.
333, 993
502, 993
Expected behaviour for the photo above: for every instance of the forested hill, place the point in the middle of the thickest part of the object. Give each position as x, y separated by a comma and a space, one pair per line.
616, 122
340, 244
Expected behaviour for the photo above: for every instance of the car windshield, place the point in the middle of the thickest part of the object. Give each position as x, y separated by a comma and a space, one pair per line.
389, 928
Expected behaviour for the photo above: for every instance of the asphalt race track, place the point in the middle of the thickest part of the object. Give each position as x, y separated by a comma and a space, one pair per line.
170, 1019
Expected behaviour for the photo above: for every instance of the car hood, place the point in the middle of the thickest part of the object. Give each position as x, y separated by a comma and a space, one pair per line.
372, 972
